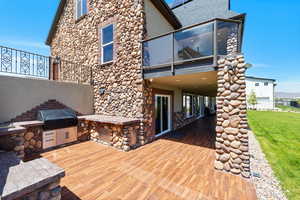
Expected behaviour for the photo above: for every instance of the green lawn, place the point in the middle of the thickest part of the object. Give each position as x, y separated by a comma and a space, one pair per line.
279, 136
289, 108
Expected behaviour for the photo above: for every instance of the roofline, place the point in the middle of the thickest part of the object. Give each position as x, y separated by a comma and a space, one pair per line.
167, 12
53, 27
253, 77
161, 5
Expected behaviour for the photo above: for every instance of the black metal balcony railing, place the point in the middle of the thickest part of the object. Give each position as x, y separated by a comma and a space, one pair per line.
198, 42
23, 63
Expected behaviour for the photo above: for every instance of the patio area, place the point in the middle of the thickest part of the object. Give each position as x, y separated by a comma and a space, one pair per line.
177, 166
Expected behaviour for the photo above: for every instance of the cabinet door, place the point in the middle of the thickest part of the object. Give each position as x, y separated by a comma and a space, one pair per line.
49, 139
66, 135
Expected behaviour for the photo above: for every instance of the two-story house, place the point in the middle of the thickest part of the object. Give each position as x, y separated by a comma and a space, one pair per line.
264, 90
161, 64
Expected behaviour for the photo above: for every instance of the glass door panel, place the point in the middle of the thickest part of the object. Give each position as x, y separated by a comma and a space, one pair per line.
162, 114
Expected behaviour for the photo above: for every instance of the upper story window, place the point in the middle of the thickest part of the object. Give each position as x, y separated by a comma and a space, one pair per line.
266, 83
256, 84
107, 43
81, 8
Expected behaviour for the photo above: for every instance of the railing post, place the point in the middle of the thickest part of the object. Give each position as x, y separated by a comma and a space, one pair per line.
56, 68
240, 37
215, 45
50, 76
172, 65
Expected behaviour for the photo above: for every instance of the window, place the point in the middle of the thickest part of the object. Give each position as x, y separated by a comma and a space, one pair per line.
81, 8
256, 84
107, 44
193, 105
266, 83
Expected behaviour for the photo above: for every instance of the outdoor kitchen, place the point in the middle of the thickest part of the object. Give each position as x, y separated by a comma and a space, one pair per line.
22, 142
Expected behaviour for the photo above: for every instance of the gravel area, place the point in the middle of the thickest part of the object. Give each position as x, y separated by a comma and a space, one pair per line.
267, 186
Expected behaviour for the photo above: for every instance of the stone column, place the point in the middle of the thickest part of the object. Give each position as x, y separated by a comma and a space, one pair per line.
232, 135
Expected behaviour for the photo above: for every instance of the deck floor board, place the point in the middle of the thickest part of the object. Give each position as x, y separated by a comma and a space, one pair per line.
169, 168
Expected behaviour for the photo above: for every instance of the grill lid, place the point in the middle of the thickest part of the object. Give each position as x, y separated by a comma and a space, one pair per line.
57, 118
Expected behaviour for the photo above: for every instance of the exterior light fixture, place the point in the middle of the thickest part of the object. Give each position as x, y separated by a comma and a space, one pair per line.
101, 91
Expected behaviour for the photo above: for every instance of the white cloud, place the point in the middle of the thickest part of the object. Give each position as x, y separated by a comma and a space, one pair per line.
288, 86
30, 44
260, 65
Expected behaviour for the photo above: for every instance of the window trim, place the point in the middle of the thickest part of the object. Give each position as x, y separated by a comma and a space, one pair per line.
77, 18
109, 43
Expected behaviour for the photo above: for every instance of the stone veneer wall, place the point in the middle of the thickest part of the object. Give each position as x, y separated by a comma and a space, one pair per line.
121, 80
120, 137
146, 131
51, 191
180, 120
13, 142
79, 42
232, 153
33, 140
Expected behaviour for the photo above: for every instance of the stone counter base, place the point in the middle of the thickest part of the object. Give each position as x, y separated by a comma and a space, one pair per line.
13, 142
120, 137
51, 191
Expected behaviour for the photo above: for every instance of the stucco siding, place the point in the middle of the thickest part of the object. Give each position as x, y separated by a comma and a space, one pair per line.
177, 95
156, 24
264, 93
19, 95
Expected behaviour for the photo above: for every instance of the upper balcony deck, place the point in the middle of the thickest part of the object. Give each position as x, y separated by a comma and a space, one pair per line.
191, 49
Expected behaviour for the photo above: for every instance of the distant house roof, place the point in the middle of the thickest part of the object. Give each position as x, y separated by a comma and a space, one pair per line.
259, 78
161, 5
191, 12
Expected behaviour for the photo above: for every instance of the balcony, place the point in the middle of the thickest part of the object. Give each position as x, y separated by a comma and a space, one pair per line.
191, 49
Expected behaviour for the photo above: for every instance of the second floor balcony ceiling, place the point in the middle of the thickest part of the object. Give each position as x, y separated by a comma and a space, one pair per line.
192, 47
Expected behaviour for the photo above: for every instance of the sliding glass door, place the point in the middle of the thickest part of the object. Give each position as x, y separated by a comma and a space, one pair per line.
162, 114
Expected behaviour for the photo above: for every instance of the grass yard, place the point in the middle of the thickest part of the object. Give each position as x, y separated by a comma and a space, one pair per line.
289, 108
279, 137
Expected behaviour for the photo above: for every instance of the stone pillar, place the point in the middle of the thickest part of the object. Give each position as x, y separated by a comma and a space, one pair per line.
232, 135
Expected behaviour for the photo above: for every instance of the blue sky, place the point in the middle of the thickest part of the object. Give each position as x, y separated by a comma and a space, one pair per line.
271, 40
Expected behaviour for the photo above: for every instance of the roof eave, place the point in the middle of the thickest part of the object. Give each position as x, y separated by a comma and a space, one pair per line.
53, 27
166, 11
159, 4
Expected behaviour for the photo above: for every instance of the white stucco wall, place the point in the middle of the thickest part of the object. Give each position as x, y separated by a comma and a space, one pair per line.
18, 95
264, 94
156, 24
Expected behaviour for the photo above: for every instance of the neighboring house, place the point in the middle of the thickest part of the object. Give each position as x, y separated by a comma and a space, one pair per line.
264, 89
162, 66
287, 102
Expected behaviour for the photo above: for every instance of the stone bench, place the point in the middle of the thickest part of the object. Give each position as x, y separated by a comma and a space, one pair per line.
36, 179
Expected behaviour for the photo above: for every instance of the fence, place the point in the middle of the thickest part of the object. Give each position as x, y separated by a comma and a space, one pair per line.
18, 62
25, 64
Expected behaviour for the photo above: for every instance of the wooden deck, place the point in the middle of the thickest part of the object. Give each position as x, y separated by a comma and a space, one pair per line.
178, 167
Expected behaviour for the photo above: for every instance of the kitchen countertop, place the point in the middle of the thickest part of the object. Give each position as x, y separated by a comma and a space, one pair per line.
110, 119
12, 130
18, 178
